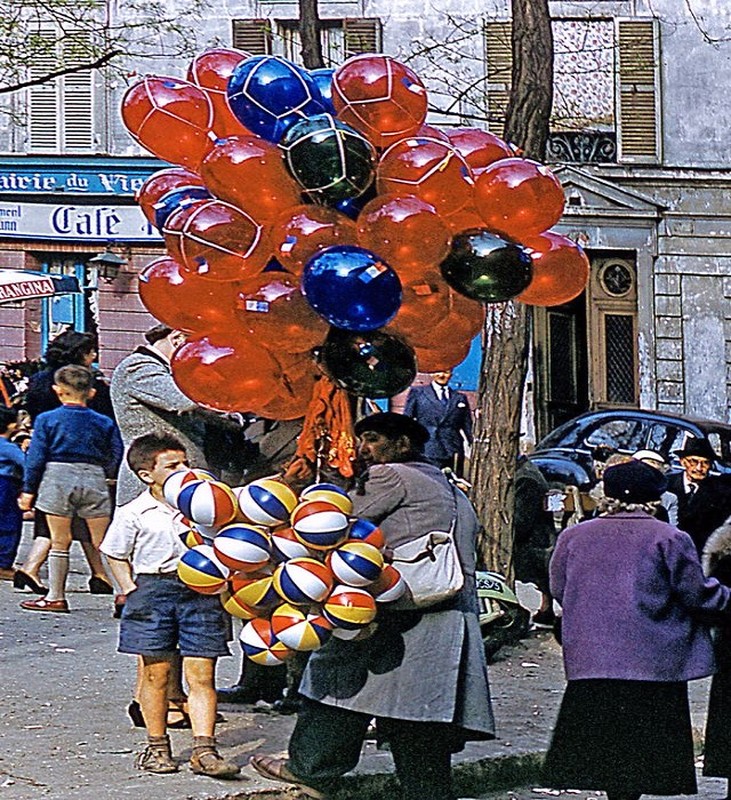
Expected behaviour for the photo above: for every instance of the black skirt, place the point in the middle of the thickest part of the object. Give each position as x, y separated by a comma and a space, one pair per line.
623, 737
717, 758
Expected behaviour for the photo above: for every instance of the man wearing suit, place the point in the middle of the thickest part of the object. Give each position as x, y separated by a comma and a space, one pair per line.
704, 500
446, 415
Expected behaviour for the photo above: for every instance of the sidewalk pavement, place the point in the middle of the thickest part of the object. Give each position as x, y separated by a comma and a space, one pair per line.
65, 733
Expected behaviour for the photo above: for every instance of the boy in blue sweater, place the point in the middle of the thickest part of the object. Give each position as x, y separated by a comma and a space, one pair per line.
73, 452
12, 459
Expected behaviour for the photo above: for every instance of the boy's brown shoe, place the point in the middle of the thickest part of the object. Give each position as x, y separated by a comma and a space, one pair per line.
206, 760
157, 757
56, 606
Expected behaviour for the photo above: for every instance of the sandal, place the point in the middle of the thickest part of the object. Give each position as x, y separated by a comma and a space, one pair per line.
275, 769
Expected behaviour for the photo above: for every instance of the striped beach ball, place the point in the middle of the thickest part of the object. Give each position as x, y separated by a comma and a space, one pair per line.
193, 537
237, 608
266, 502
243, 547
209, 503
389, 585
355, 563
367, 531
330, 493
200, 569
255, 590
286, 545
302, 581
348, 607
299, 630
261, 645
182, 477
319, 525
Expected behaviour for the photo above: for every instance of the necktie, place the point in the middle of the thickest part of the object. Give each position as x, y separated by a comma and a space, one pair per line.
692, 489
444, 398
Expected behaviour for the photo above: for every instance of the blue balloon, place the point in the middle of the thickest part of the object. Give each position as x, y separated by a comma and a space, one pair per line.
352, 288
268, 94
175, 199
324, 81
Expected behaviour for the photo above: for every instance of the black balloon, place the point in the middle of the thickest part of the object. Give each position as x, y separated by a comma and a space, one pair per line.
371, 364
487, 267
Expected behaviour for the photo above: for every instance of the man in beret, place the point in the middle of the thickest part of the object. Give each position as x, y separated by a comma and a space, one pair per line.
420, 672
704, 500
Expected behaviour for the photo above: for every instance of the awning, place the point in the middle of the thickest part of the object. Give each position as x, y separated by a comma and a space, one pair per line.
20, 284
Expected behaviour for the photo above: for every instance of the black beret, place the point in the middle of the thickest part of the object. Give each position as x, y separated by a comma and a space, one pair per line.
394, 425
634, 482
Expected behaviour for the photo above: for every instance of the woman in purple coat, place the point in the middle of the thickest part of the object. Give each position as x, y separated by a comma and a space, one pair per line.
634, 597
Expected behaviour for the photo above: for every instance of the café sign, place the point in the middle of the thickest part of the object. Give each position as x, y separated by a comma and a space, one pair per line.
75, 222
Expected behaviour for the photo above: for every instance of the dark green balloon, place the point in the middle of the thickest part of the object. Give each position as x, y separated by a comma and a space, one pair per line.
487, 267
368, 364
330, 160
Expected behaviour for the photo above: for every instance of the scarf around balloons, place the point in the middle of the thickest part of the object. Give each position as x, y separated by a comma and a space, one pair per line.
314, 212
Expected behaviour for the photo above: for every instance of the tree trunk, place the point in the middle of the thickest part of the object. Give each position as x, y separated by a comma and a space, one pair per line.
506, 336
309, 24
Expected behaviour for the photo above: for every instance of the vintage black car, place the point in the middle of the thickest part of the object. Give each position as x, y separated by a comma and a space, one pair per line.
566, 455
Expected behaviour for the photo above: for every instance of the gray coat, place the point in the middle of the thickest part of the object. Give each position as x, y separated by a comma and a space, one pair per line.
424, 666
147, 400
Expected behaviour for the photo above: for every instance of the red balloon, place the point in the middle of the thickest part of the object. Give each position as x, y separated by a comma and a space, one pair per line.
303, 230
560, 270
216, 241
406, 231
171, 118
211, 70
295, 390
249, 173
162, 182
183, 300
380, 97
479, 147
517, 197
432, 170
464, 320
445, 357
430, 132
464, 220
424, 304
272, 307
226, 371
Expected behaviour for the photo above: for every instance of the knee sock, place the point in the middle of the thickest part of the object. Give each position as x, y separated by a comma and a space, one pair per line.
58, 570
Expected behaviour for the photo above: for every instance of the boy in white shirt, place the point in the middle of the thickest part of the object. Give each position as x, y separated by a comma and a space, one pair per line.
162, 615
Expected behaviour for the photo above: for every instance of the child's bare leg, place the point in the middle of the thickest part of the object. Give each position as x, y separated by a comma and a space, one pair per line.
58, 558
153, 695
37, 556
199, 674
94, 560
97, 528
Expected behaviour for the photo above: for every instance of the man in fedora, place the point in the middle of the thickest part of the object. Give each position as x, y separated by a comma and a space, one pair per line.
704, 500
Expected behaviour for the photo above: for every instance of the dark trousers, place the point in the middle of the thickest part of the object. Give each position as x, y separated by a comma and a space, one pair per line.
327, 741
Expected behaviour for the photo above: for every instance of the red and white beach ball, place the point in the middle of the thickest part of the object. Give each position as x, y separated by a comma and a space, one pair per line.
299, 630
319, 525
209, 503
261, 645
243, 547
303, 581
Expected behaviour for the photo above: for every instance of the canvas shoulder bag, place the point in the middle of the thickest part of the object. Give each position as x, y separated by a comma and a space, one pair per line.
430, 565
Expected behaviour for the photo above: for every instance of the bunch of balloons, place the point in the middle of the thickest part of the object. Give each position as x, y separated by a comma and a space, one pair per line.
316, 211
297, 570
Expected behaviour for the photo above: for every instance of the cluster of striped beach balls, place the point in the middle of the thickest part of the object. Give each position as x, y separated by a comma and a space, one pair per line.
297, 570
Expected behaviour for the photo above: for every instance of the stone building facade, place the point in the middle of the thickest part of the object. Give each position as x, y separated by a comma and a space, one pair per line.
640, 142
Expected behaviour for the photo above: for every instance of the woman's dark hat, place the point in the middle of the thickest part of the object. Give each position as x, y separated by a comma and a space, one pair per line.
696, 446
394, 425
634, 482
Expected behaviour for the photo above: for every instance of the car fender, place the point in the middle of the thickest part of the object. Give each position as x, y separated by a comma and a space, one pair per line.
557, 470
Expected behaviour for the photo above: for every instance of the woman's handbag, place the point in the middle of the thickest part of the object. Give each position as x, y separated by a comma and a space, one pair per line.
430, 567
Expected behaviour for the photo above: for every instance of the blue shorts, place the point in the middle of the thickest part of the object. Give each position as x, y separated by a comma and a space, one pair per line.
163, 616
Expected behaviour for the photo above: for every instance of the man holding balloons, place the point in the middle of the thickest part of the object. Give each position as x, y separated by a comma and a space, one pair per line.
421, 673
